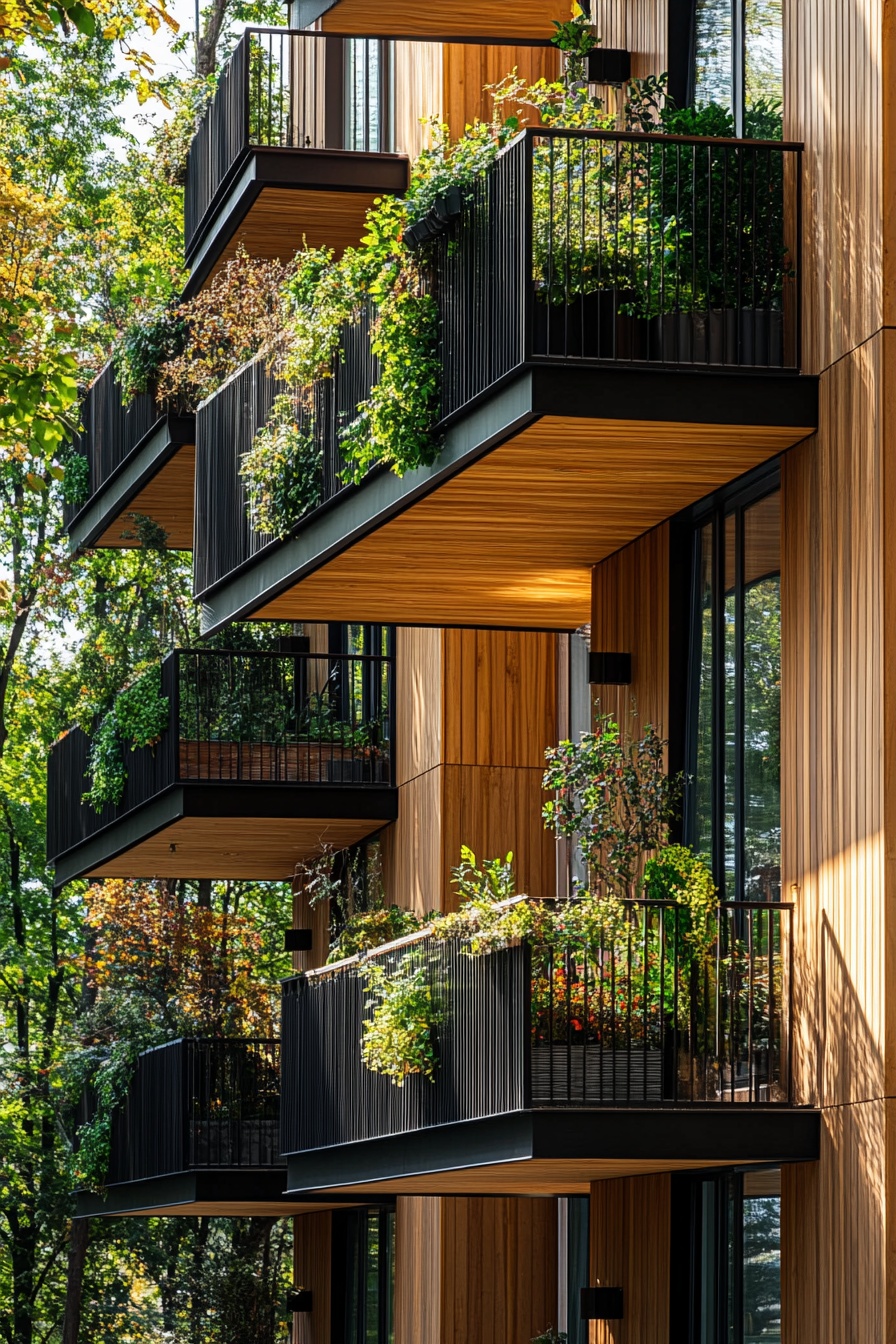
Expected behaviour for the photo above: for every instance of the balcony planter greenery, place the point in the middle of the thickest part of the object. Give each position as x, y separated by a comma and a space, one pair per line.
138, 718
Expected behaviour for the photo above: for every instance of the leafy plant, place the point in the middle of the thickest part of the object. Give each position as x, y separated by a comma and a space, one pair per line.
576, 39
75, 478
150, 340
614, 798
282, 469
550, 1336
139, 717
399, 1037
367, 929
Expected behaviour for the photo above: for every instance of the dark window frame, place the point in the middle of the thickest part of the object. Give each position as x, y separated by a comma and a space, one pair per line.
350, 1271
686, 618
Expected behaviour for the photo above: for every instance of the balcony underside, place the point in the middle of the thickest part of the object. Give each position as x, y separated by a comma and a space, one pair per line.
557, 1152
283, 198
238, 830
225, 1194
533, 488
529, 21
155, 480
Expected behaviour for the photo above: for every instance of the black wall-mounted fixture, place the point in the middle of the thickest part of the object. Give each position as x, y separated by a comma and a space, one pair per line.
610, 669
609, 65
299, 1299
601, 1304
297, 940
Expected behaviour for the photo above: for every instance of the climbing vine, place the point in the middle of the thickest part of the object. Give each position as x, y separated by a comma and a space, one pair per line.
138, 718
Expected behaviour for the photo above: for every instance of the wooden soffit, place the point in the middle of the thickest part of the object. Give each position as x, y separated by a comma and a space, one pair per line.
525, 20
507, 535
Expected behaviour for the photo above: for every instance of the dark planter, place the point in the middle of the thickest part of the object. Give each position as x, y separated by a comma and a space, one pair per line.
368, 770
589, 1074
590, 326
724, 336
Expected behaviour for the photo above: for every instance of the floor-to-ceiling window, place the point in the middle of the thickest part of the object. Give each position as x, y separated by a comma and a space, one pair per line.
367, 94
726, 1258
738, 59
363, 1276
733, 754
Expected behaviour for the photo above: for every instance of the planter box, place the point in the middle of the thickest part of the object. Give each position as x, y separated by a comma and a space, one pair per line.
589, 1073
365, 771
235, 1143
590, 326
725, 336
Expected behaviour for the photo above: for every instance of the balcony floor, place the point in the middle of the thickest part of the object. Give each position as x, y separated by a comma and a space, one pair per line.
284, 197
531, 490
155, 480
557, 1152
200, 1194
252, 831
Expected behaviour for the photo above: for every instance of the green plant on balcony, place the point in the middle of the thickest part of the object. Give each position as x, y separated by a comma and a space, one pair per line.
75, 477
152, 338
138, 718
282, 469
398, 1037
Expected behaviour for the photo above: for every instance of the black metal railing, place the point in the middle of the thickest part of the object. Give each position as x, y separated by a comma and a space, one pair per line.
226, 529
247, 718
281, 89
196, 1104
112, 429
623, 247
658, 1008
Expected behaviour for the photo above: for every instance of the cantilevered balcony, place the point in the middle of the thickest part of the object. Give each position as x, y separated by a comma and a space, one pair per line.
275, 160
660, 1046
620, 335
197, 1133
140, 461
266, 758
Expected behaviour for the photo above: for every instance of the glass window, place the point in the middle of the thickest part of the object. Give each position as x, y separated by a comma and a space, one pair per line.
366, 89
733, 805
363, 1276
726, 1258
738, 60
573, 1275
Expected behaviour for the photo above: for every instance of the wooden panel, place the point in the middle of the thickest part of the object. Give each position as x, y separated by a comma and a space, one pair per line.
283, 219
500, 697
630, 1246
836, 1237
469, 68
837, 566
313, 917
418, 701
543, 1176
312, 1268
264, 848
499, 1269
167, 499
412, 847
640, 27
496, 810
523, 526
418, 1259
630, 614
417, 81
835, 100
416, 18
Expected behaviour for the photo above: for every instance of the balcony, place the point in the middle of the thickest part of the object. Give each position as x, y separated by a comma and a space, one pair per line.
198, 1133
273, 161
140, 460
266, 757
555, 1066
620, 335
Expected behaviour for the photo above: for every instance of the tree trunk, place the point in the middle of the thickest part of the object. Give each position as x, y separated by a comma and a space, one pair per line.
77, 1255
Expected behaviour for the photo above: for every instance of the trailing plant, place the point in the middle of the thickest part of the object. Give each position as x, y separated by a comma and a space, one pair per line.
75, 477
282, 469
399, 1036
138, 717
368, 929
151, 339
550, 1336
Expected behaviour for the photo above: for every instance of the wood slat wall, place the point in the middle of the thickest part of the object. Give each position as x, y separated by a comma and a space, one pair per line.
418, 1265
630, 614
312, 1268
419, 93
500, 697
418, 700
469, 68
630, 1249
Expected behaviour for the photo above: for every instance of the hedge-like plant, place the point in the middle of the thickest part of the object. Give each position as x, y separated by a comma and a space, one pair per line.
138, 718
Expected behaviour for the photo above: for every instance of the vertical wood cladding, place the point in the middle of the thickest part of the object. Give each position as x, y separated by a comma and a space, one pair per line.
419, 18
630, 614
476, 710
469, 68
419, 92
638, 26
418, 1260
630, 1227
312, 1240
838, 798
838, 101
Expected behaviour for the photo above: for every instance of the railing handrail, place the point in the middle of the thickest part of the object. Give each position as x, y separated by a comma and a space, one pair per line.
646, 137
408, 939
276, 653
209, 1040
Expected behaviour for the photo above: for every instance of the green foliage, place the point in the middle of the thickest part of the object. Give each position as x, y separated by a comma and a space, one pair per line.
614, 799
76, 478
576, 39
282, 469
138, 717
366, 929
550, 1336
149, 340
399, 1036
